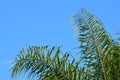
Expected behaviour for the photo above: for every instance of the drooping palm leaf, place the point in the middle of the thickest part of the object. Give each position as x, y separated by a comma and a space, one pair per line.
45, 63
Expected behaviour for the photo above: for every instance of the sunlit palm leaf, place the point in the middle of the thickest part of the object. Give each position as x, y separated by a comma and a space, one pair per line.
45, 63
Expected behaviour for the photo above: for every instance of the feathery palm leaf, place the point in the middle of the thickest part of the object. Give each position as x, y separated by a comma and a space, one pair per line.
95, 46
46, 63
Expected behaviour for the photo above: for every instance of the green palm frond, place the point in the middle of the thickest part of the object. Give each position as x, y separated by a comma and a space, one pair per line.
95, 45
45, 63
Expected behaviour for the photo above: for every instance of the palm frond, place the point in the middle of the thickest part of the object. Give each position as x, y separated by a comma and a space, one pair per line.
45, 63
95, 44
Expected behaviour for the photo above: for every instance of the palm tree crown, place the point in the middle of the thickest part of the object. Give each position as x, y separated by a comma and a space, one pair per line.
100, 57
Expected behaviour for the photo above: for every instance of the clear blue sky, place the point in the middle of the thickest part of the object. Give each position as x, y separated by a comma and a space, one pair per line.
41, 22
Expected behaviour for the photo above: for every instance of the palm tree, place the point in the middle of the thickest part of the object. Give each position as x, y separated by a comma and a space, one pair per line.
46, 63
100, 53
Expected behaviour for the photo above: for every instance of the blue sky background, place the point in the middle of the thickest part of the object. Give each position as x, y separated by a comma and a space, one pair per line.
42, 22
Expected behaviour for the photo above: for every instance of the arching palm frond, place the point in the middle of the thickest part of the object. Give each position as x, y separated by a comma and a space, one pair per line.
95, 46
45, 63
